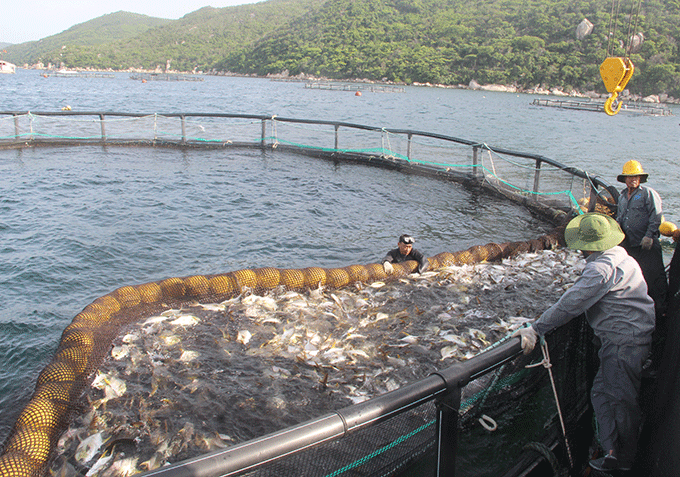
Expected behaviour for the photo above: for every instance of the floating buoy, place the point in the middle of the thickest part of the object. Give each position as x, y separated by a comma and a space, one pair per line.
66, 108
143, 81
45, 76
667, 228
358, 93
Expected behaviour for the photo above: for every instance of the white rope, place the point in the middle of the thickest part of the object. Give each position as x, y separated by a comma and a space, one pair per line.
488, 423
545, 362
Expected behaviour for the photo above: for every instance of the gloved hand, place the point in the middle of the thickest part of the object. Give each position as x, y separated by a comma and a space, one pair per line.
528, 336
646, 243
387, 266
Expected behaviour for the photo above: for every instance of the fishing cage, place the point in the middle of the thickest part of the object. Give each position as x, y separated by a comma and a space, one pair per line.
539, 183
435, 426
384, 435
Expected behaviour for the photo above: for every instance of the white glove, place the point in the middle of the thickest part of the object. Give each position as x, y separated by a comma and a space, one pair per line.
387, 266
529, 337
646, 243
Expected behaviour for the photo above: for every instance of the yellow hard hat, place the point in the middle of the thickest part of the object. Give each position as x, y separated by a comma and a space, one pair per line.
667, 228
632, 168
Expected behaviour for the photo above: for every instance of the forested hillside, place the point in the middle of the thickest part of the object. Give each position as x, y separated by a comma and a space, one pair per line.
521, 42
89, 35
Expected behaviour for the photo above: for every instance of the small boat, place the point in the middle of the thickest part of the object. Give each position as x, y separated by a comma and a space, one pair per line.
7, 67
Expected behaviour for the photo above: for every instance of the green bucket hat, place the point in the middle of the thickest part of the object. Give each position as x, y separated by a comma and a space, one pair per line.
593, 232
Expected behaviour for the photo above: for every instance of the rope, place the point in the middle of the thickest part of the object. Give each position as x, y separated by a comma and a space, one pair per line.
612, 34
545, 362
630, 31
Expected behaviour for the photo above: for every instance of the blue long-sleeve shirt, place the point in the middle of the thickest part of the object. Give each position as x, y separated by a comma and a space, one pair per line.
640, 215
612, 293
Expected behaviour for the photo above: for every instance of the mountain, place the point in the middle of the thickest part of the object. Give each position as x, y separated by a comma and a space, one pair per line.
522, 42
100, 31
195, 41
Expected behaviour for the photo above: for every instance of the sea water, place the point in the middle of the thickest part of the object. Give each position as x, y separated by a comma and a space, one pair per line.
78, 222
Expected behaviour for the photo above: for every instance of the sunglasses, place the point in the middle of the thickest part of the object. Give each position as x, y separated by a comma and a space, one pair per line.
408, 240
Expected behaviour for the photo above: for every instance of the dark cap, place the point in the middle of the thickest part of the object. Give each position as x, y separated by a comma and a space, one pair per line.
407, 239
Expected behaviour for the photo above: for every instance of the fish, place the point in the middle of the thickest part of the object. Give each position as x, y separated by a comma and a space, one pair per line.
263, 361
188, 356
244, 337
89, 447
185, 320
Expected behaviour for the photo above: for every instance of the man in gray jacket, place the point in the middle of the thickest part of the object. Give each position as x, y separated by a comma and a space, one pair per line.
613, 295
639, 214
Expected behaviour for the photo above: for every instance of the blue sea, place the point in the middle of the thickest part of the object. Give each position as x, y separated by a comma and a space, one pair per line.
78, 222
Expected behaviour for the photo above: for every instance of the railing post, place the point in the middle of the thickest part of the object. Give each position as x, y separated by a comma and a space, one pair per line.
16, 127
337, 126
184, 129
536, 178
264, 131
447, 433
408, 146
592, 200
475, 161
103, 127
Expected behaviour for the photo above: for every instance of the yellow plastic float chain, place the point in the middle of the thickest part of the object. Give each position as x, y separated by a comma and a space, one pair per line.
615, 72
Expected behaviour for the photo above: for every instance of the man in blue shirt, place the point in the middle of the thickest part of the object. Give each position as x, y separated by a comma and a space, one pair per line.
612, 293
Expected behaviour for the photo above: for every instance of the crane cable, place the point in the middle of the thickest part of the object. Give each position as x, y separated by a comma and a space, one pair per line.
617, 71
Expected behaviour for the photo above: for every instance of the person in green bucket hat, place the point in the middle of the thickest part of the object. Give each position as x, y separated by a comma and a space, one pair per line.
612, 294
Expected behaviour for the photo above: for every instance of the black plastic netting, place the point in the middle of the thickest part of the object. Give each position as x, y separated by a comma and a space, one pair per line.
512, 392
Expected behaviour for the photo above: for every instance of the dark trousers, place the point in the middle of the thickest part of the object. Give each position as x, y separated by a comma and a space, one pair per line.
615, 398
654, 271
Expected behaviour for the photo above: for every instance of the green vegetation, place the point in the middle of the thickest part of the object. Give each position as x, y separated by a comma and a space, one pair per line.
521, 42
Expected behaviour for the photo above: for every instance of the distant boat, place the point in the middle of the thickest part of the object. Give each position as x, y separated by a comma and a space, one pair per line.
6, 67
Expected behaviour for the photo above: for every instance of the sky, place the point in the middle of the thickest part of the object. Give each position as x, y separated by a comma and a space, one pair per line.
31, 20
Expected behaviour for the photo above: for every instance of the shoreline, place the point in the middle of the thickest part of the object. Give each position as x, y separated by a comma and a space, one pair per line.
626, 95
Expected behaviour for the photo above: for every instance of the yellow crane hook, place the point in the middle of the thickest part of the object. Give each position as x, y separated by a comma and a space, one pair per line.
615, 72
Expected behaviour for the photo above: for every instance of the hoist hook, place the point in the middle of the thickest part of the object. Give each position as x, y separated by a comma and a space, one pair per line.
615, 72
610, 101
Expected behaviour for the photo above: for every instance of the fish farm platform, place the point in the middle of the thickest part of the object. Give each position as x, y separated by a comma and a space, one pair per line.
630, 107
78, 74
373, 88
164, 77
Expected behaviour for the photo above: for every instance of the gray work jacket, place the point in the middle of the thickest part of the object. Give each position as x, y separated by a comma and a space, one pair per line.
613, 294
639, 216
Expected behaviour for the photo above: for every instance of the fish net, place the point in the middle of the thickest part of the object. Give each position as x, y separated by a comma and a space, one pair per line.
88, 339
553, 190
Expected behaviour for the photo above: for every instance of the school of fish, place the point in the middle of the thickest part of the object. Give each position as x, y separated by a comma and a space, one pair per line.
207, 376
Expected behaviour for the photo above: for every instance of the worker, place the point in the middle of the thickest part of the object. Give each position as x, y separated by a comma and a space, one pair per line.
404, 252
612, 293
639, 214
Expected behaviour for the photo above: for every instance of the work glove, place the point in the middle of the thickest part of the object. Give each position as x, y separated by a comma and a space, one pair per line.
528, 336
646, 243
387, 266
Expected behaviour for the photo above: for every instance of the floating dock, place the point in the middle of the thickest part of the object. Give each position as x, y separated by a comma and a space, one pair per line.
78, 74
164, 77
630, 107
373, 88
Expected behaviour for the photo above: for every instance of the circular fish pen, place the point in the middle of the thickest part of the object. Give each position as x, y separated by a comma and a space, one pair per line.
551, 190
